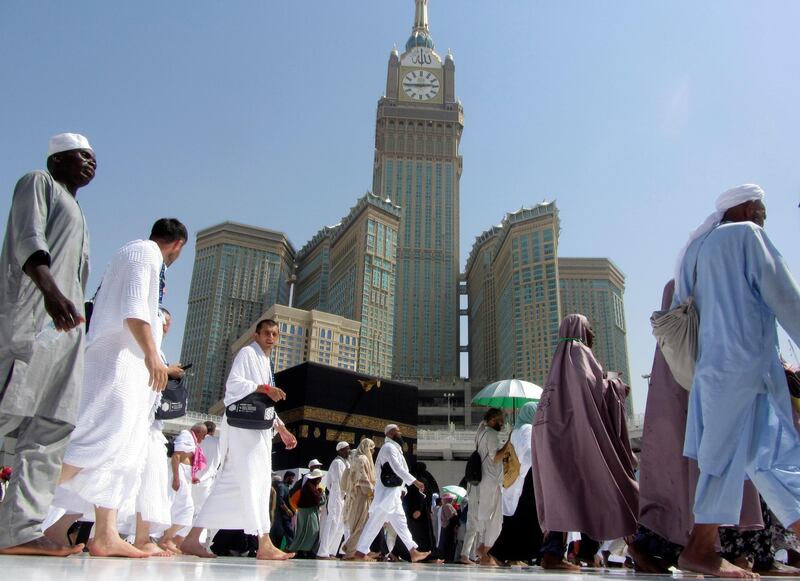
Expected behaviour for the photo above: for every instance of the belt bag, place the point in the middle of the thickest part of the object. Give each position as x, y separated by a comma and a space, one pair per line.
253, 412
173, 400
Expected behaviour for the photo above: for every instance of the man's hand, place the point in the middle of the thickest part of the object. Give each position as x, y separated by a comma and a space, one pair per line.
287, 438
272, 392
416, 514
64, 314
176, 484
175, 371
420, 485
158, 373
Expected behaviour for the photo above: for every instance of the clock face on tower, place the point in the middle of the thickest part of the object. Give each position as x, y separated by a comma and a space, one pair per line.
420, 85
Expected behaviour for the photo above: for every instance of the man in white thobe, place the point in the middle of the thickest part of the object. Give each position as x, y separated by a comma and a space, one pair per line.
487, 497
739, 422
123, 372
387, 504
332, 525
239, 497
45, 266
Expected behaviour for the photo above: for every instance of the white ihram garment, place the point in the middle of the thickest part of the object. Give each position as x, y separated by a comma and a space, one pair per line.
332, 527
112, 432
205, 477
387, 505
239, 497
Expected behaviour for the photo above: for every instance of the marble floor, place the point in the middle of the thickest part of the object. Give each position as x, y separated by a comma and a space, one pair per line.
229, 569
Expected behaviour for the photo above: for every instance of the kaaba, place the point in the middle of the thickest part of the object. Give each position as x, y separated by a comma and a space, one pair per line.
325, 405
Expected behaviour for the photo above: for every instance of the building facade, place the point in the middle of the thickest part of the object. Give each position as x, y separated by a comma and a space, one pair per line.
418, 166
595, 287
239, 271
350, 270
513, 302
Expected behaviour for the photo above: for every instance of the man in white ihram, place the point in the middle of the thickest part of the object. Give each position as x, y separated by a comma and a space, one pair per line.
332, 527
387, 505
239, 497
104, 459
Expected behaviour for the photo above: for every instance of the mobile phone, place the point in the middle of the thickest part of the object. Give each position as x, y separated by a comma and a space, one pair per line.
185, 367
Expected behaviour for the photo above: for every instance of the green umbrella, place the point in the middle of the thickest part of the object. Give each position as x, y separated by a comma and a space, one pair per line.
508, 394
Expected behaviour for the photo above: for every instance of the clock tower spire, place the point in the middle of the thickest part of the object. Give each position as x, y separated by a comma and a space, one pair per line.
417, 165
421, 16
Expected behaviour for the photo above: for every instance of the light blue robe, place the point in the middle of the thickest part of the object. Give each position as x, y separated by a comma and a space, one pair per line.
740, 421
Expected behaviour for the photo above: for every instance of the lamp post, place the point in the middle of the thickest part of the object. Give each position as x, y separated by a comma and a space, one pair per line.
449, 396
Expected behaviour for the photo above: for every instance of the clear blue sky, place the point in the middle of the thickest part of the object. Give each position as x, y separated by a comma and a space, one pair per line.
632, 115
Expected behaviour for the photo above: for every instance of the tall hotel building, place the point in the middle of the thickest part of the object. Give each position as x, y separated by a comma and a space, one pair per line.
350, 270
417, 165
513, 303
595, 287
239, 271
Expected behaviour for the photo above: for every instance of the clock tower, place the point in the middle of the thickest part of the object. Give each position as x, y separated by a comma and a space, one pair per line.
417, 165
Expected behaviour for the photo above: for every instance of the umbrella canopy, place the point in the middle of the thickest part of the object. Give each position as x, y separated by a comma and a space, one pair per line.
456, 491
508, 394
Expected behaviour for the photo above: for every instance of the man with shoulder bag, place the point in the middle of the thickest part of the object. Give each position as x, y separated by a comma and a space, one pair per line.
387, 505
239, 497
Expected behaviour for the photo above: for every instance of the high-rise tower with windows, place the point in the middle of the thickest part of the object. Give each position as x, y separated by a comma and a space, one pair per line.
418, 166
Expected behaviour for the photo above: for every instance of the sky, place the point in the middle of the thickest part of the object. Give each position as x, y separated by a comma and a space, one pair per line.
632, 115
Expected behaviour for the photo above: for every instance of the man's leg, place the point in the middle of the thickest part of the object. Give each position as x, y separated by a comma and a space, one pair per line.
400, 526
269, 552
554, 546
374, 525
144, 543
472, 528
37, 464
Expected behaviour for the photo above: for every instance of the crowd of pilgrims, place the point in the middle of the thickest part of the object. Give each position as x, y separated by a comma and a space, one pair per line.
714, 490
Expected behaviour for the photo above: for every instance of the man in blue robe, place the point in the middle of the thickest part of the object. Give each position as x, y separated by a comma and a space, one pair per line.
740, 421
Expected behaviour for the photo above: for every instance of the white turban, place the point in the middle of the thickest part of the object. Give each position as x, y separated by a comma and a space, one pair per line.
726, 201
184, 442
389, 428
67, 142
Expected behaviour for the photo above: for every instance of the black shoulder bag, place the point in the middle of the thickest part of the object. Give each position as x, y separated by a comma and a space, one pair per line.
389, 478
473, 472
255, 411
174, 400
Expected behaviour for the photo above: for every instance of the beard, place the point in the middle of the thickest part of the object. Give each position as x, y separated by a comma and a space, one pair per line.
399, 440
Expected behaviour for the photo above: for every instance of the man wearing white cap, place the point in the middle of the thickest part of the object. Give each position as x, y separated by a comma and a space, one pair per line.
45, 266
387, 505
332, 526
739, 423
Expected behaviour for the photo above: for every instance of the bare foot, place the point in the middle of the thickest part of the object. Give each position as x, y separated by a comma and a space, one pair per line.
362, 557
273, 554
712, 565
488, 561
170, 545
554, 563
462, 560
645, 562
114, 547
195, 548
42, 547
153, 549
417, 556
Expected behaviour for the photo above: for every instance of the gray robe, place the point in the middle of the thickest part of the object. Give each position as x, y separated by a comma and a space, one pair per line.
41, 379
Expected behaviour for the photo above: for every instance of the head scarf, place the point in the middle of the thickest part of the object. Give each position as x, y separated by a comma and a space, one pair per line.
525, 415
726, 201
67, 142
365, 449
